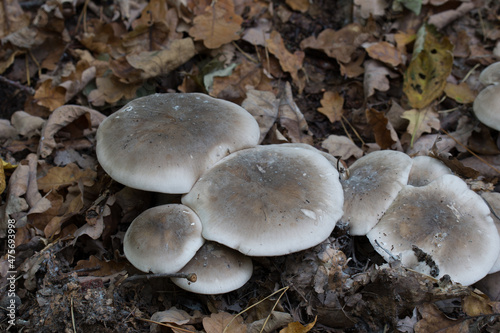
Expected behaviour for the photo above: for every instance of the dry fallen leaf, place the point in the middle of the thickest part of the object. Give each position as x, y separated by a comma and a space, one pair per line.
264, 107
26, 124
434, 320
223, 322
297, 327
461, 92
49, 95
292, 119
385, 52
60, 177
375, 77
298, 5
421, 121
331, 106
385, 135
218, 24
291, 63
341, 147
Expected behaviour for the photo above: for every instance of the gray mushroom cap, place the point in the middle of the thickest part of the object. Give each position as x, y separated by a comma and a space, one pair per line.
493, 201
437, 229
425, 169
164, 142
218, 270
268, 200
487, 106
374, 182
491, 74
163, 239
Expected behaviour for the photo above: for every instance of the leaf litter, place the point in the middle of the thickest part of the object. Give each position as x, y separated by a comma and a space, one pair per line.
347, 77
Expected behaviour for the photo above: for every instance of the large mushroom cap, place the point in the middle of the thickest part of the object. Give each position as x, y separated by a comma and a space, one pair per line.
374, 182
268, 200
218, 270
437, 229
491, 74
164, 142
163, 239
493, 201
487, 106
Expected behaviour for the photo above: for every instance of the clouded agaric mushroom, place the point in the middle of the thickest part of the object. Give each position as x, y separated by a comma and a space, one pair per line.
218, 270
374, 182
487, 104
437, 229
425, 169
493, 200
164, 142
163, 239
268, 200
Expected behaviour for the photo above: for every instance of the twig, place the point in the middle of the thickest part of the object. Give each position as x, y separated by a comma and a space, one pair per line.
191, 277
73, 316
18, 85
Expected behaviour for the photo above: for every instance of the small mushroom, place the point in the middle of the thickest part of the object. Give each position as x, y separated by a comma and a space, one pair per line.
163, 239
437, 229
164, 142
374, 182
425, 169
487, 104
268, 200
218, 270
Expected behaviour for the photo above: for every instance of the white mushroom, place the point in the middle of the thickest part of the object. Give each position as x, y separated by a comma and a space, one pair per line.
164, 142
163, 239
218, 270
437, 229
487, 104
268, 200
425, 169
373, 183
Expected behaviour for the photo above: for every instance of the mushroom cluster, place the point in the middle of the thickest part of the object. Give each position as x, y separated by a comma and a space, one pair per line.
487, 104
416, 211
259, 200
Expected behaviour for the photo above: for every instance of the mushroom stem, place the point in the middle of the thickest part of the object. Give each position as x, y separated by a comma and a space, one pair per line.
191, 277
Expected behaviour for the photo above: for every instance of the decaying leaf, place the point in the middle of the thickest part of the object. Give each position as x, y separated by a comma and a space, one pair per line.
299, 5
421, 121
58, 177
292, 119
26, 124
331, 105
434, 320
342, 147
385, 135
369, 8
375, 77
100, 267
264, 107
218, 24
430, 66
297, 327
291, 63
461, 92
49, 95
224, 322
385, 52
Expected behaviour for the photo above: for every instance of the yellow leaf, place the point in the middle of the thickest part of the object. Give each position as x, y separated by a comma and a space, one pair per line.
425, 77
331, 106
297, 327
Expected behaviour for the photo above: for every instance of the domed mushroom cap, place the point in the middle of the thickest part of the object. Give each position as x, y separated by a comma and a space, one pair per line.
437, 229
493, 201
218, 270
491, 74
425, 169
487, 106
163, 239
164, 142
374, 182
268, 200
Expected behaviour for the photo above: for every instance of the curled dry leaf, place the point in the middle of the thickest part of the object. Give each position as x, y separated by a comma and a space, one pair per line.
26, 124
218, 24
341, 146
264, 107
7, 131
61, 118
